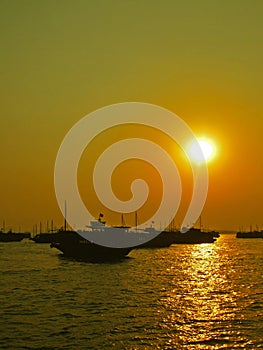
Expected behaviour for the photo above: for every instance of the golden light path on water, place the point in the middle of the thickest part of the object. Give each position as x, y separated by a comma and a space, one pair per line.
208, 298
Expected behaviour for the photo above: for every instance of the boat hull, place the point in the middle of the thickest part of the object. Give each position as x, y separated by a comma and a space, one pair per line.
167, 238
253, 234
74, 246
13, 236
50, 237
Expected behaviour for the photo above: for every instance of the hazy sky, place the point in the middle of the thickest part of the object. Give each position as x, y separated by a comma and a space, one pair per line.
61, 60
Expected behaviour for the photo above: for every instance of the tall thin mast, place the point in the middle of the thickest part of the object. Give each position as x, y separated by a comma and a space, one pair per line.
122, 220
65, 217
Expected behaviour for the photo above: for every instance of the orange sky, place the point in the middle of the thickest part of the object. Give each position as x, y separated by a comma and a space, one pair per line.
62, 60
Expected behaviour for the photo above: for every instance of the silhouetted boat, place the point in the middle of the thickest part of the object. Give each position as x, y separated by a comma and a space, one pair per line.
116, 236
48, 237
72, 245
194, 236
251, 234
216, 234
167, 238
13, 236
163, 239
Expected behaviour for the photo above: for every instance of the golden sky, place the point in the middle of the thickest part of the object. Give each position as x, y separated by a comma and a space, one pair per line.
60, 60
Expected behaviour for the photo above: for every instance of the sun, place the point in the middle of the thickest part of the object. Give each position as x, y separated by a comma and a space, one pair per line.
208, 148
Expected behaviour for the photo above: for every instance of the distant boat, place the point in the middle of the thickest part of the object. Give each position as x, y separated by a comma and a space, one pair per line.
216, 234
13, 236
251, 234
48, 237
195, 236
192, 236
162, 240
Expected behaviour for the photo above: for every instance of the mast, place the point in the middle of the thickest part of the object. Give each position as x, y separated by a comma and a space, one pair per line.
136, 220
65, 216
122, 221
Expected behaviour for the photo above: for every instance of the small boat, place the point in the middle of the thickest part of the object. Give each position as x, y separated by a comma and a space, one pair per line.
72, 245
216, 234
251, 234
47, 237
13, 236
194, 236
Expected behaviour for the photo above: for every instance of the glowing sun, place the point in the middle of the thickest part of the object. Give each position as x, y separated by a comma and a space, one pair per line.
208, 150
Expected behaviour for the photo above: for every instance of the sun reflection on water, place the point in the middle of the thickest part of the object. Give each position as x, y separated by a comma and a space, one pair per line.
202, 298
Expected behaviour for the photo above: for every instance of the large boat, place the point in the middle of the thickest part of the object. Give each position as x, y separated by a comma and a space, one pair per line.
96, 243
116, 236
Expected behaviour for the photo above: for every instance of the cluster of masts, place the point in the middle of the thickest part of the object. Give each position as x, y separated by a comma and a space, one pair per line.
39, 228
251, 229
6, 229
49, 227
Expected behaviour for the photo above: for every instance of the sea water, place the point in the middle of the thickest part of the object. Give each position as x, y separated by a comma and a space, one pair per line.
203, 296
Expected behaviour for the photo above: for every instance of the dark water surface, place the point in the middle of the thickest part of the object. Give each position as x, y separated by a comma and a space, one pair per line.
207, 296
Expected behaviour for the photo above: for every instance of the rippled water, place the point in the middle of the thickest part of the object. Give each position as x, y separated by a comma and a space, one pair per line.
207, 296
